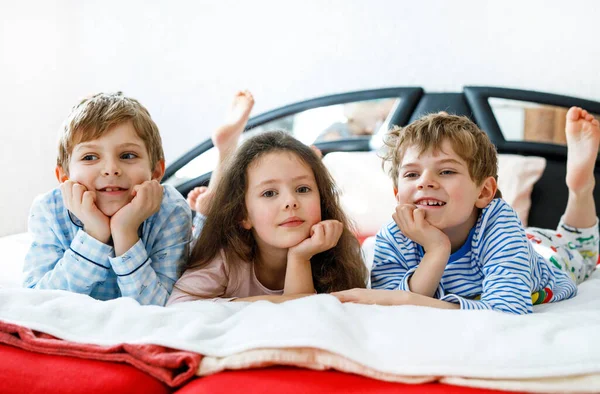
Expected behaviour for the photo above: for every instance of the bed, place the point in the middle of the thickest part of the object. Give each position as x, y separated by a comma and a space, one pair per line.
489, 351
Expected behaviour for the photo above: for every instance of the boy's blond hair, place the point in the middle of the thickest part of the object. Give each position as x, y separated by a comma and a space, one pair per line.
429, 132
95, 115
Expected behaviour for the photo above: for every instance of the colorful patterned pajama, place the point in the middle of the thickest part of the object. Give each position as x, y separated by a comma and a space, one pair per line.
573, 250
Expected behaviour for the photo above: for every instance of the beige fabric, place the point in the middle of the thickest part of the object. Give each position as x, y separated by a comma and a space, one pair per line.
310, 358
516, 177
322, 360
563, 384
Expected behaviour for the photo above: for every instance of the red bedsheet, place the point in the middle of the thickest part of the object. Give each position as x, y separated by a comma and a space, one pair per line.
304, 381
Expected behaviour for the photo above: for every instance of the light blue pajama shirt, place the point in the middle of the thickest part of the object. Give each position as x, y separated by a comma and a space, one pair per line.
63, 256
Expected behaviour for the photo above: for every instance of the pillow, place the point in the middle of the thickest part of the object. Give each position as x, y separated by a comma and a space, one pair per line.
367, 196
516, 177
366, 192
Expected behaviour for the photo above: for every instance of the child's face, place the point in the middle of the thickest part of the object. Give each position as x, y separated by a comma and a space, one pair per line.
439, 183
282, 200
111, 166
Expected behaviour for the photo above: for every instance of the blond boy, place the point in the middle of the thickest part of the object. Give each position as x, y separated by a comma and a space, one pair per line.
110, 229
455, 244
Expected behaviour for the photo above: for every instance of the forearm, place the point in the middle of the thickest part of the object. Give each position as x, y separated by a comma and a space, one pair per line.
426, 278
298, 277
124, 239
138, 277
421, 300
49, 266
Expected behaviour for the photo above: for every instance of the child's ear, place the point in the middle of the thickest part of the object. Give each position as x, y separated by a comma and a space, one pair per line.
487, 192
61, 174
246, 224
159, 170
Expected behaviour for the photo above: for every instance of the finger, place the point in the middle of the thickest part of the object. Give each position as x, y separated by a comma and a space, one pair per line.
67, 192
318, 233
88, 201
419, 218
200, 190
194, 193
405, 216
332, 231
342, 296
137, 189
77, 193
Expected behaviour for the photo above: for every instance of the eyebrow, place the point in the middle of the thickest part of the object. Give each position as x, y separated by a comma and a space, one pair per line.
271, 181
440, 162
93, 146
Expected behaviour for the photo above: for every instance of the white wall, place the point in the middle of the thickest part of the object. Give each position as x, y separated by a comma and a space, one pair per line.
185, 59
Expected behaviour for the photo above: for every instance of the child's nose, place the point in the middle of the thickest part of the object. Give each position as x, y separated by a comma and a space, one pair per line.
426, 185
426, 182
111, 169
291, 202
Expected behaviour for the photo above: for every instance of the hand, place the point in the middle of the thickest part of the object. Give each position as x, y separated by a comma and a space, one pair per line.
323, 236
391, 297
411, 220
199, 199
82, 203
373, 296
146, 201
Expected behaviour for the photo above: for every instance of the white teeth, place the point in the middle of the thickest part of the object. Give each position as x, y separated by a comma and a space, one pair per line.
431, 202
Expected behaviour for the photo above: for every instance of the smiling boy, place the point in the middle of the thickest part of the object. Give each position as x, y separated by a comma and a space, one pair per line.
455, 244
110, 229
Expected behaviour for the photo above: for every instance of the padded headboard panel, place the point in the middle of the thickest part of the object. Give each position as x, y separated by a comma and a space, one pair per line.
453, 103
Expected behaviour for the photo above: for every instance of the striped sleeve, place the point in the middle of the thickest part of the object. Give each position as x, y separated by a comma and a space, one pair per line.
396, 259
506, 259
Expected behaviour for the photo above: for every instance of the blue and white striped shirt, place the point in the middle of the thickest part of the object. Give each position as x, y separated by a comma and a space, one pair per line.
497, 263
63, 256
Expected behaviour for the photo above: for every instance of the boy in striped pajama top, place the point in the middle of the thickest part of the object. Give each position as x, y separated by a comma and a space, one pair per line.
455, 244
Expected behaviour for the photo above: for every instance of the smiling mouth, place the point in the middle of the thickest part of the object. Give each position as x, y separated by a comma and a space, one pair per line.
112, 189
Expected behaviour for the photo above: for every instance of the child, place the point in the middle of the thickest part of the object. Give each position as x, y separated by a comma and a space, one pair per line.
274, 230
454, 245
110, 229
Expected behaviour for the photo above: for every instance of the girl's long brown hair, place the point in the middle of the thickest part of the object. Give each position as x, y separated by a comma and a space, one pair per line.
338, 268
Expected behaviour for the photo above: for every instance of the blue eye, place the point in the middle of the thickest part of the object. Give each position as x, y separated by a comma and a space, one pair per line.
128, 156
411, 175
447, 172
303, 189
269, 193
89, 157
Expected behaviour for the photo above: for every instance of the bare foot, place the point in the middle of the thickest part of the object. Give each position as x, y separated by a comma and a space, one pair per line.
225, 138
317, 151
199, 199
583, 139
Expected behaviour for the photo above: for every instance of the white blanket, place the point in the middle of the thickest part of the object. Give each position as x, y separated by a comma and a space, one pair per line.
559, 340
